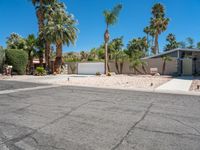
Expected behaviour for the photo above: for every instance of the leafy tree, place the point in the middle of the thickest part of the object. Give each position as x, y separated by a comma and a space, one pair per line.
172, 43
111, 18
158, 24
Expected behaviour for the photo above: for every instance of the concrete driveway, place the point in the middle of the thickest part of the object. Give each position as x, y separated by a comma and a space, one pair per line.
72, 118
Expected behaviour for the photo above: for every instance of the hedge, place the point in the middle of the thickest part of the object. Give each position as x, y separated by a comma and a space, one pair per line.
2, 59
18, 59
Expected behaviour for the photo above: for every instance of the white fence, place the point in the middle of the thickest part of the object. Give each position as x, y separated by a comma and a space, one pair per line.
90, 68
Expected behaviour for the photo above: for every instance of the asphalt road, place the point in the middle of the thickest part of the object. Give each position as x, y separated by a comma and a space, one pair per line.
75, 118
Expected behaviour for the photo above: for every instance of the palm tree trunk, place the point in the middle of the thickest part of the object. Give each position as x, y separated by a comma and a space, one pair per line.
40, 17
116, 66
121, 67
106, 58
156, 50
144, 69
164, 66
137, 70
106, 39
47, 54
58, 61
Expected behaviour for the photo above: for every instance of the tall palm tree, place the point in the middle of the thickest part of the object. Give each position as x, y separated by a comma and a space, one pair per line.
60, 28
158, 23
111, 18
40, 6
150, 32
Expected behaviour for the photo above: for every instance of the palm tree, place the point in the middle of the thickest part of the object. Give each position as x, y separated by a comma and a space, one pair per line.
31, 42
116, 47
111, 18
59, 29
40, 6
136, 49
165, 60
137, 62
158, 23
173, 44
119, 57
190, 42
137, 44
15, 41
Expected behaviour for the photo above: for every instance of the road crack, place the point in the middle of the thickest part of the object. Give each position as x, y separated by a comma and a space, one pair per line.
182, 135
186, 125
133, 127
19, 138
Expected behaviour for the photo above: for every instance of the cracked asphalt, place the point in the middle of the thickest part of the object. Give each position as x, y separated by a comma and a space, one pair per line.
80, 118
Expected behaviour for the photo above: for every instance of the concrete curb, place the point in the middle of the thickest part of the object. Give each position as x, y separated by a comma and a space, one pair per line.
143, 90
27, 89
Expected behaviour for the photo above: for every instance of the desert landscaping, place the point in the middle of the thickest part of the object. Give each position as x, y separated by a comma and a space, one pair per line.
115, 81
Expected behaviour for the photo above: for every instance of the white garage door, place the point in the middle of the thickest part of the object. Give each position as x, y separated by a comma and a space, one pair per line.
90, 68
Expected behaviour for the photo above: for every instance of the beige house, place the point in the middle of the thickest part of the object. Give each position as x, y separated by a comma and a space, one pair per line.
184, 62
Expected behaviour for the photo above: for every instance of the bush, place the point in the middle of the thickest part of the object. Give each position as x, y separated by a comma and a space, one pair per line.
98, 73
2, 59
40, 71
109, 74
18, 59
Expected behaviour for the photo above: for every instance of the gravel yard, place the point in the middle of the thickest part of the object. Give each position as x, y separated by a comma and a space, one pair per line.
195, 84
116, 81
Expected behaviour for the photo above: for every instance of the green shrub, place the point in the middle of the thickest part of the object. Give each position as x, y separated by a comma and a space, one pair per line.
2, 58
109, 74
18, 59
98, 73
40, 71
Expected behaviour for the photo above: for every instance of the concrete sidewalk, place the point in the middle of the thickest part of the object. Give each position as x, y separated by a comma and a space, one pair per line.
178, 84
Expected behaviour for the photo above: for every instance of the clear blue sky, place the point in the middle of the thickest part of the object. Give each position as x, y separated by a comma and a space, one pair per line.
19, 16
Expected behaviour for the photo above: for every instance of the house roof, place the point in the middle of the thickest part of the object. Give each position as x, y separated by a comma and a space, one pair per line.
171, 51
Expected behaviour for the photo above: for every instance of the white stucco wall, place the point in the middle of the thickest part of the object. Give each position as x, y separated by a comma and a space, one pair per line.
90, 68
